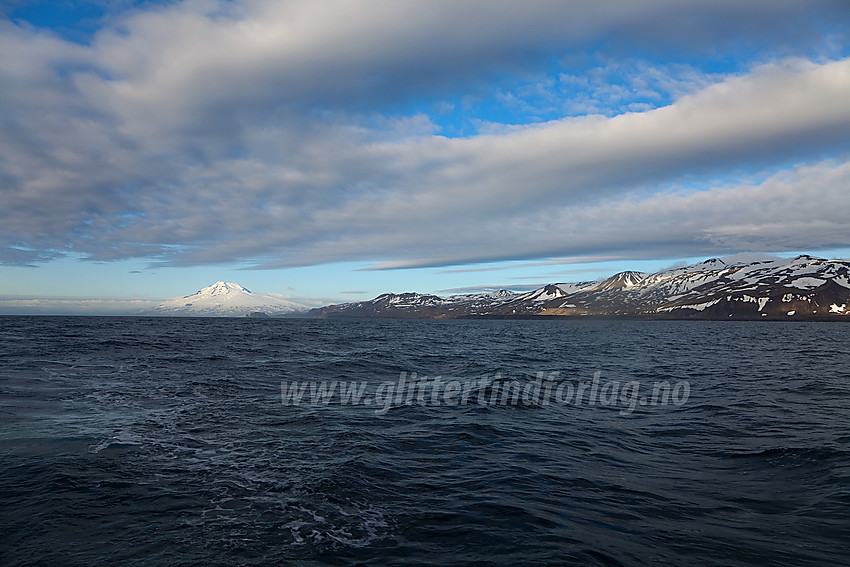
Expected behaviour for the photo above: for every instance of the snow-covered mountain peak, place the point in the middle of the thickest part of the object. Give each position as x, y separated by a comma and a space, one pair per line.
619, 281
747, 258
806, 260
221, 288
712, 264
501, 294
545, 293
498, 295
225, 299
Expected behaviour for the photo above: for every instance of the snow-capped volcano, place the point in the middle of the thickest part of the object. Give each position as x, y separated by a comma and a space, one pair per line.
221, 288
225, 299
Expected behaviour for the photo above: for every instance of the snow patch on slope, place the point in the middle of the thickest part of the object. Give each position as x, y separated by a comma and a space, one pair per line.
697, 306
807, 283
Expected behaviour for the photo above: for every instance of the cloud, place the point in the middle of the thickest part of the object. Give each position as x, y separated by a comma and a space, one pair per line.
73, 306
493, 194
227, 62
802, 209
555, 262
17, 305
280, 134
491, 288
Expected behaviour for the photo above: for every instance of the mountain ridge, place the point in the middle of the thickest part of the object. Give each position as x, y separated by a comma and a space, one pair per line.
801, 288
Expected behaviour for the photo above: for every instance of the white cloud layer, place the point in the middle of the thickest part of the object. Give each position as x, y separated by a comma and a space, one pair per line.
73, 306
264, 132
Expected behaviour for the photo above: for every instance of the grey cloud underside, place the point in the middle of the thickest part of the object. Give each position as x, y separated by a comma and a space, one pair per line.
255, 135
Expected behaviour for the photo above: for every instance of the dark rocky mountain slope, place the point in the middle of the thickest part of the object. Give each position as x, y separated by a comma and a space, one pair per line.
804, 287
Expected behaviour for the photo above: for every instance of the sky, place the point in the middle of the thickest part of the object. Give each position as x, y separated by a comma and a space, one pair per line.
333, 150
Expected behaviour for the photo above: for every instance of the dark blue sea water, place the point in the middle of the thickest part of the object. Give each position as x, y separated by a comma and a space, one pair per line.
134, 441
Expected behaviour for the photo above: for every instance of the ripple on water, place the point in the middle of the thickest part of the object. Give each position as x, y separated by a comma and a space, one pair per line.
137, 442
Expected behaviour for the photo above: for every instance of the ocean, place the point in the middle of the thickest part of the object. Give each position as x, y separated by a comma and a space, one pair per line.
159, 441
